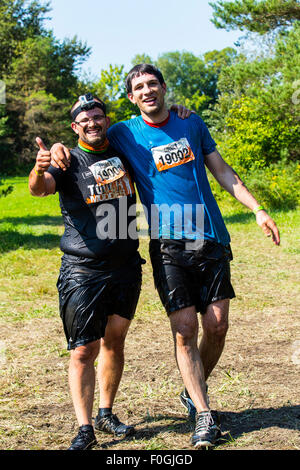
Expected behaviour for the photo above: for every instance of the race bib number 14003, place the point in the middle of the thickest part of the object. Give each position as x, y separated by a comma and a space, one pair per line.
173, 154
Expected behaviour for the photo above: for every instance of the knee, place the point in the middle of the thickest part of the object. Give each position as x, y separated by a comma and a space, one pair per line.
217, 330
85, 354
114, 343
186, 335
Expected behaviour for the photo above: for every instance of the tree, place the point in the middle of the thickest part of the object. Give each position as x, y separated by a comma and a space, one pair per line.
271, 81
18, 21
111, 89
40, 74
256, 120
141, 59
44, 63
190, 80
258, 16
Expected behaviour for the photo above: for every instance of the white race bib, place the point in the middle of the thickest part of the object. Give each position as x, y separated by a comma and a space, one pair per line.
107, 171
173, 154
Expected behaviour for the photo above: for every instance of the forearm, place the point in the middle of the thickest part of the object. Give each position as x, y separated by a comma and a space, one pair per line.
230, 180
232, 183
37, 184
40, 186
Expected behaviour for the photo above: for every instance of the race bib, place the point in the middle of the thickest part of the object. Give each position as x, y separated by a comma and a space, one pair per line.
173, 154
107, 171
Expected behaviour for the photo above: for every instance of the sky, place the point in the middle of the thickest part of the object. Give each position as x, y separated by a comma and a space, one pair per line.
117, 30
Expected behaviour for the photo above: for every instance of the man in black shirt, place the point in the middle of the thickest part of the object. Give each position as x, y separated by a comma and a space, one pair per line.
100, 275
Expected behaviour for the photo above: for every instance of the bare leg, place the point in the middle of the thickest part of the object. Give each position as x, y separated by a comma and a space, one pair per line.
82, 380
111, 359
215, 326
185, 327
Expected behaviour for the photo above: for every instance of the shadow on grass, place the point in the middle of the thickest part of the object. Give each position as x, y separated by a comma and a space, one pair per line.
233, 424
255, 419
33, 220
239, 218
11, 240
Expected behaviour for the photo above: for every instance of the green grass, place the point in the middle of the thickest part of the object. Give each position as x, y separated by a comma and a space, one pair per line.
31, 228
30, 231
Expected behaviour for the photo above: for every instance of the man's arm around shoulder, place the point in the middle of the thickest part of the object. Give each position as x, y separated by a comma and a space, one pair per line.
41, 183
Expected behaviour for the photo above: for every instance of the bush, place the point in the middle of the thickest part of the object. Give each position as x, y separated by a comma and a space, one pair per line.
276, 187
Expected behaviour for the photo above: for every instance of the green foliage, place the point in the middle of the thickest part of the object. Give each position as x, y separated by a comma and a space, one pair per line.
6, 191
111, 89
257, 116
3, 121
19, 20
141, 59
190, 81
255, 15
43, 63
40, 78
250, 103
276, 186
254, 137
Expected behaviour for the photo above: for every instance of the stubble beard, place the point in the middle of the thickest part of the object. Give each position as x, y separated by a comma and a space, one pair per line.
94, 141
155, 113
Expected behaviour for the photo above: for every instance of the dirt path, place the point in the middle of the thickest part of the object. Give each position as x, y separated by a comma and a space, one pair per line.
255, 387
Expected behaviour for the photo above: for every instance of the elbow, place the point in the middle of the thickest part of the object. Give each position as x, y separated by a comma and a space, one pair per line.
36, 193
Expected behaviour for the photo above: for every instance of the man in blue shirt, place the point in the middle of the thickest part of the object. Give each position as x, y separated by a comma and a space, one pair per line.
189, 247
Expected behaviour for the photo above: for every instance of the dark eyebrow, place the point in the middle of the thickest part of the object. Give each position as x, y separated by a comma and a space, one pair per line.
152, 80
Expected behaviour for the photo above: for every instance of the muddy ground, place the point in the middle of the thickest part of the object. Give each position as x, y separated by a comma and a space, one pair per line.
255, 387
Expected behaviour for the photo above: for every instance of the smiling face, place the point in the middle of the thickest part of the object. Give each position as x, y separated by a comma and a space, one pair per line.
91, 126
149, 95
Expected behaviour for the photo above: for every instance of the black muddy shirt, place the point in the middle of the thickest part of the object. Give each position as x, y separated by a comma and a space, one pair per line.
96, 194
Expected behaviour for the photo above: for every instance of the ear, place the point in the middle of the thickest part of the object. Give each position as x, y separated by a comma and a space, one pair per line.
131, 98
164, 87
107, 121
74, 127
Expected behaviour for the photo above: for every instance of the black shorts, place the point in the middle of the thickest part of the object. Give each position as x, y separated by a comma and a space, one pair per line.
87, 296
190, 277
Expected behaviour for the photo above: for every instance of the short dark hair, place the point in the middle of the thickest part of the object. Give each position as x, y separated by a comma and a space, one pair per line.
141, 69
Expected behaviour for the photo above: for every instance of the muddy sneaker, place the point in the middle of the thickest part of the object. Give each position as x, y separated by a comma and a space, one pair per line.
85, 439
207, 431
112, 425
188, 403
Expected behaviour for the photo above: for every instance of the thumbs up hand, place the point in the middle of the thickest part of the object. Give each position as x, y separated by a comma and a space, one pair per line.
43, 158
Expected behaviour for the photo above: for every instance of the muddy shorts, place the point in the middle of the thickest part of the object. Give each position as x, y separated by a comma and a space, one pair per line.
191, 277
87, 296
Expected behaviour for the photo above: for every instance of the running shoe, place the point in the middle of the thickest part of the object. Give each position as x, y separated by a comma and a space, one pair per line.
207, 431
85, 439
188, 403
111, 424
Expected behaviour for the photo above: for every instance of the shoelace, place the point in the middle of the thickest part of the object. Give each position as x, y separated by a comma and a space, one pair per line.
83, 435
205, 419
111, 420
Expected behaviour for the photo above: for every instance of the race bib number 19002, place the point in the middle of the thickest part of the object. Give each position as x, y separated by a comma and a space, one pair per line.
173, 154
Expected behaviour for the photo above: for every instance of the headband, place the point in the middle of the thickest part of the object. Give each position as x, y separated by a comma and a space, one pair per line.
87, 102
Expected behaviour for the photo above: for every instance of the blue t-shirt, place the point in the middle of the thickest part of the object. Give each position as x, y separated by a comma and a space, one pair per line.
169, 172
